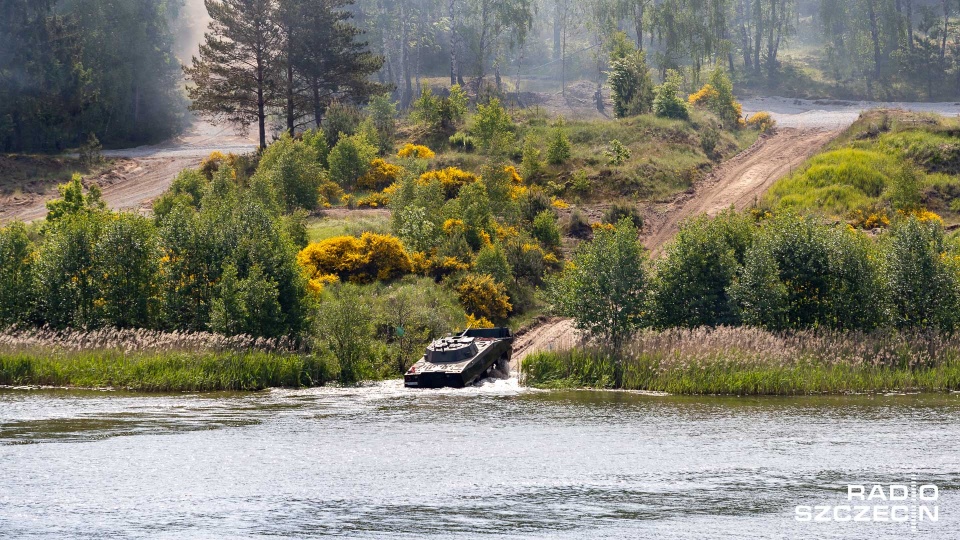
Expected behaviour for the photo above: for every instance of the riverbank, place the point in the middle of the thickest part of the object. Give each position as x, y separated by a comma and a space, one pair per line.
153, 361
164, 372
749, 361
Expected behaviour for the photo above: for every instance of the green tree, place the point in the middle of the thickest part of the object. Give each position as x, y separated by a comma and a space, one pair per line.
631, 85
125, 260
492, 260
493, 126
73, 202
17, 288
545, 229
350, 159
604, 289
235, 78
923, 276
67, 280
292, 168
559, 150
691, 280
345, 328
668, 103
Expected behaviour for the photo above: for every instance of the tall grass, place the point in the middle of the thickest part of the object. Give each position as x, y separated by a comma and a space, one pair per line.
146, 360
747, 361
163, 372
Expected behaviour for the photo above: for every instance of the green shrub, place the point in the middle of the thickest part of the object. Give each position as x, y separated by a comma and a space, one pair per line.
559, 150
604, 289
492, 260
668, 103
341, 119
545, 229
493, 127
345, 329
382, 113
350, 159
17, 288
631, 85
531, 165
293, 173
619, 211
617, 154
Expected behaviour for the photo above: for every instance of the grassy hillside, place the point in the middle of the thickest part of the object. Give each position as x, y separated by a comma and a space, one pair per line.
886, 163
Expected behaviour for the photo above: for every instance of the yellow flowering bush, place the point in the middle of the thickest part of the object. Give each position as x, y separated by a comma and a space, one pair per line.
452, 226
416, 151
703, 96
557, 202
359, 260
478, 322
923, 215
513, 174
482, 296
316, 284
373, 200
870, 218
436, 267
380, 175
761, 121
214, 161
451, 178
330, 192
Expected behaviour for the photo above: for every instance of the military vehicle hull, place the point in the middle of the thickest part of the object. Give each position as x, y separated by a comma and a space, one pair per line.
461, 361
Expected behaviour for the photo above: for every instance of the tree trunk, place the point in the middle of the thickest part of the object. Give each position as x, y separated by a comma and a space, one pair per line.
744, 36
556, 30
757, 33
290, 107
910, 23
875, 37
317, 106
638, 23
943, 38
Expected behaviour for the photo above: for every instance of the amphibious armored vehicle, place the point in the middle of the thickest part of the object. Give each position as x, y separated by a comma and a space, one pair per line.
457, 361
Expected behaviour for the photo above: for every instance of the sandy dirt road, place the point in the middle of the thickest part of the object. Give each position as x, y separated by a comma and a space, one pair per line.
142, 174
741, 180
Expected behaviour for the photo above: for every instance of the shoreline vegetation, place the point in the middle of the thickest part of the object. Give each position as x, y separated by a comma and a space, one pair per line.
750, 361
152, 361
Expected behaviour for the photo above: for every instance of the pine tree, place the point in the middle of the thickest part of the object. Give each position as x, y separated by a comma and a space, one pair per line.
235, 77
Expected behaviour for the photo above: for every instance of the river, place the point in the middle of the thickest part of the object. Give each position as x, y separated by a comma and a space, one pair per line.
496, 461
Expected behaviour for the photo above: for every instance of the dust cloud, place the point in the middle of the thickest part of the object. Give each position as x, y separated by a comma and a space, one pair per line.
189, 27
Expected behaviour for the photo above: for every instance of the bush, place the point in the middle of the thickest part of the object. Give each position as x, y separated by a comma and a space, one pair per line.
531, 164
450, 179
717, 96
631, 85
578, 226
761, 121
126, 258
292, 170
463, 142
619, 211
350, 159
440, 113
380, 175
559, 150
923, 276
699, 266
545, 229
415, 151
604, 289
340, 120
709, 139
492, 261
493, 126
382, 113
345, 329
73, 202
483, 297
372, 257
668, 103
17, 288
617, 154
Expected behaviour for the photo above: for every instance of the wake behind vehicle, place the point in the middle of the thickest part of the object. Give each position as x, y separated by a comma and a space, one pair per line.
457, 361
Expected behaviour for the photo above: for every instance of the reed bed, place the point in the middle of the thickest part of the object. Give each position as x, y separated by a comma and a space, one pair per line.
25, 338
749, 361
151, 361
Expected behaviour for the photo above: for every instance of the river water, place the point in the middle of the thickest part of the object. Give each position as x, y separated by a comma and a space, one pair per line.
496, 461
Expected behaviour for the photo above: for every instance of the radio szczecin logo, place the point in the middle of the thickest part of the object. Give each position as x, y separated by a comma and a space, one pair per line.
896, 503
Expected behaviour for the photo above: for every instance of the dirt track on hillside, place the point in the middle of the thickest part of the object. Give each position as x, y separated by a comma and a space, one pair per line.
140, 174
740, 181
737, 182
